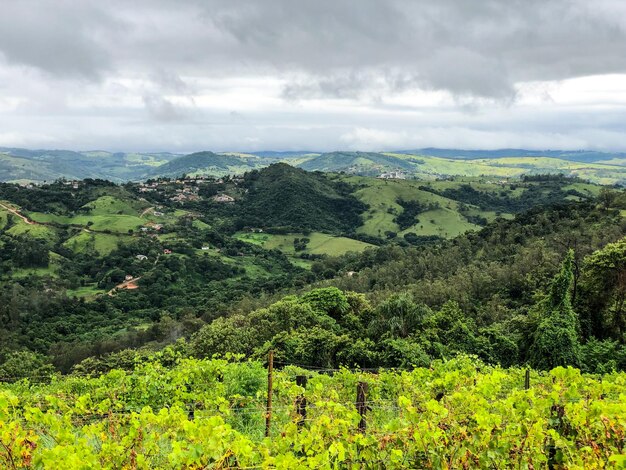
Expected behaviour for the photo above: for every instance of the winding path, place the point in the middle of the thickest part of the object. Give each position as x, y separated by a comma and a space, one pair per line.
23, 217
146, 211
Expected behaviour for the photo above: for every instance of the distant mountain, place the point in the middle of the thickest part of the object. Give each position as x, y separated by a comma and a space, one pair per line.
47, 165
364, 163
570, 155
22, 165
282, 155
208, 163
17, 163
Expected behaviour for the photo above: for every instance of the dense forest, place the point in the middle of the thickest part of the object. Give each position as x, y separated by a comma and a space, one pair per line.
543, 289
504, 292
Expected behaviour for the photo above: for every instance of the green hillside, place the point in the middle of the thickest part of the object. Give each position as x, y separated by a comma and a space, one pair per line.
284, 196
316, 243
86, 242
207, 163
106, 213
109, 205
515, 167
445, 209
48, 165
585, 156
367, 163
439, 216
434, 167
22, 169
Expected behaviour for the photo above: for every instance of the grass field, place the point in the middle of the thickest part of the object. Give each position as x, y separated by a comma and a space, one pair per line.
253, 270
587, 189
38, 272
613, 161
114, 223
320, 243
109, 205
482, 184
168, 236
448, 219
40, 232
382, 195
46, 218
445, 223
104, 213
119, 223
249, 263
201, 225
85, 292
103, 243
169, 216
150, 160
51, 270
258, 239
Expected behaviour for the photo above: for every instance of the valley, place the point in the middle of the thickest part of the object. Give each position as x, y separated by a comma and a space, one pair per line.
187, 249
339, 276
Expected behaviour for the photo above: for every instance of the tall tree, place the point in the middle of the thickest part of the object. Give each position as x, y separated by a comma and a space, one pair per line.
604, 283
556, 340
398, 316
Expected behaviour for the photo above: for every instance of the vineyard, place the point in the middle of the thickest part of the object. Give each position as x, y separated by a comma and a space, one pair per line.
213, 414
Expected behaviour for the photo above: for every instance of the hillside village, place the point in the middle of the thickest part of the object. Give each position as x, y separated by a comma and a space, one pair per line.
188, 189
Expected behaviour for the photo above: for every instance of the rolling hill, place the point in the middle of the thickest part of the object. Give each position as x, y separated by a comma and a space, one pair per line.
283, 196
299, 213
208, 163
365, 163
427, 167
18, 164
585, 156
23, 165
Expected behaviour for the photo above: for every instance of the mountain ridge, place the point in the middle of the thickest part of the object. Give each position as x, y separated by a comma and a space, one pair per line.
27, 165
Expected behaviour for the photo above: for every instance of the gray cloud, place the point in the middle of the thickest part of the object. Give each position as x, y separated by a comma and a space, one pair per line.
162, 109
120, 67
480, 48
469, 48
65, 39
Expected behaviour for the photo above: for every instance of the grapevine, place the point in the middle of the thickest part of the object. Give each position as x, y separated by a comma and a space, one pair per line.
211, 414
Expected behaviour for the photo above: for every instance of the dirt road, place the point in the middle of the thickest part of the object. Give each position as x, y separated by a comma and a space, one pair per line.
146, 211
23, 217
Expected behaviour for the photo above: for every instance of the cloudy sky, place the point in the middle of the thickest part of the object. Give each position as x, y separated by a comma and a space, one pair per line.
321, 75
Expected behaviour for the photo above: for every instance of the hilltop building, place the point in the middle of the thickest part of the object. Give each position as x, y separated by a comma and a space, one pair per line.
223, 198
398, 175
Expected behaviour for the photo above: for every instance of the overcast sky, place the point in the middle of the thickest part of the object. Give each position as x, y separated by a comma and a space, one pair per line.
322, 75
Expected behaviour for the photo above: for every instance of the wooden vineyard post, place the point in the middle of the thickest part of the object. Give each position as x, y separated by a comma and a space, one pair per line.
527, 380
268, 414
301, 381
361, 404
